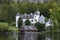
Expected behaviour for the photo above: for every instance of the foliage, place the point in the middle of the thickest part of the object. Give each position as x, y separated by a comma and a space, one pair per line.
55, 14
3, 28
27, 22
20, 22
8, 10
13, 24
40, 26
13, 28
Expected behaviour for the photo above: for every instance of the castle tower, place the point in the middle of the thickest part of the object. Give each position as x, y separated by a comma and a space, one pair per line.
17, 17
37, 15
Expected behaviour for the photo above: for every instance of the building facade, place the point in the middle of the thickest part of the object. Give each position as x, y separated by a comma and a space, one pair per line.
33, 18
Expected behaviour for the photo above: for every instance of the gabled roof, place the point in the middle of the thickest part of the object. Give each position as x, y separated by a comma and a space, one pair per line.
29, 16
29, 27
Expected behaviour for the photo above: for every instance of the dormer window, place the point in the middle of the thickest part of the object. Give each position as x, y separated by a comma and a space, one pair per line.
35, 16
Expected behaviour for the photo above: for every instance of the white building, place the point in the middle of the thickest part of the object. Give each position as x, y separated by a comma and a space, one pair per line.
33, 18
49, 24
42, 19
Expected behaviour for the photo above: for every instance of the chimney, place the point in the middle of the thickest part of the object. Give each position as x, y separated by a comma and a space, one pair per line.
25, 14
31, 13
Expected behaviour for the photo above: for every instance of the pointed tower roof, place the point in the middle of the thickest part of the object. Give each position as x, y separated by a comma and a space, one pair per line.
37, 12
17, 14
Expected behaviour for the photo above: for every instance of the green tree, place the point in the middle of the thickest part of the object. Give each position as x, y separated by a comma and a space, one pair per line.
11, 11
20, 22
54, 14
44, 10
27, 22
40, 26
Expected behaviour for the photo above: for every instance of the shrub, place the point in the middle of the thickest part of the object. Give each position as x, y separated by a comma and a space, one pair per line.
13, 24
27, 22
40, 26
20, 22
3, 28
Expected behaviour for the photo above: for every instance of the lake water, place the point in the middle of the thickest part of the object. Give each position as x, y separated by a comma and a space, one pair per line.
31, 36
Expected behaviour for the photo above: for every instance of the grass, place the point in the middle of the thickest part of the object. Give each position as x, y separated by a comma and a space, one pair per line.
11, 28
4, 23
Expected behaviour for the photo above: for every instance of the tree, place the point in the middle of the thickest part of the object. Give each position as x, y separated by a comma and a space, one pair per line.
44, 10
40, 26
27, 22
20, 22
55, 15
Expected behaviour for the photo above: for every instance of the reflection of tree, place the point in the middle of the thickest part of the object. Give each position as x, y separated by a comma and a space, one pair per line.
56, 36
21, 36
41, 37
7, 37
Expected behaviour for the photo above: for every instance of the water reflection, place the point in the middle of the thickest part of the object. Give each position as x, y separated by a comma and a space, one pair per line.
31, 36
48, 37
28, 36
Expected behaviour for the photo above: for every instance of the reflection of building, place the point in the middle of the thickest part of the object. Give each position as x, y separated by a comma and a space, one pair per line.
48, 37
28, 36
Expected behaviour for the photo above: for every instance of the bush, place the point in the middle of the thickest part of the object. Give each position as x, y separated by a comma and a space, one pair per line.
50, 27
13, 24
20, 22
3, 28
40, 26
27, 22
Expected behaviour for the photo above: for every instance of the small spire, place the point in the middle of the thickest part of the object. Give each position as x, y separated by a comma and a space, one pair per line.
31, 13
37, 9
24, 13
17, 14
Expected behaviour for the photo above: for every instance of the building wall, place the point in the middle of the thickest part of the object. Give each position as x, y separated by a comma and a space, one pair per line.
31, 20
36, 17
17, 17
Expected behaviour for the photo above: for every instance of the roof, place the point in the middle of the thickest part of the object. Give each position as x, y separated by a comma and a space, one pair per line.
29, 16
37, 12
17, 14
29, 27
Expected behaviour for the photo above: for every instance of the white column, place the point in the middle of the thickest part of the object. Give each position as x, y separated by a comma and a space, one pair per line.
17, 17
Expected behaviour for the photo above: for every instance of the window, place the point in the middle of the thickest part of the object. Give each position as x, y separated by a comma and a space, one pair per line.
32, 20
31, 24
35, 19
35, 16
